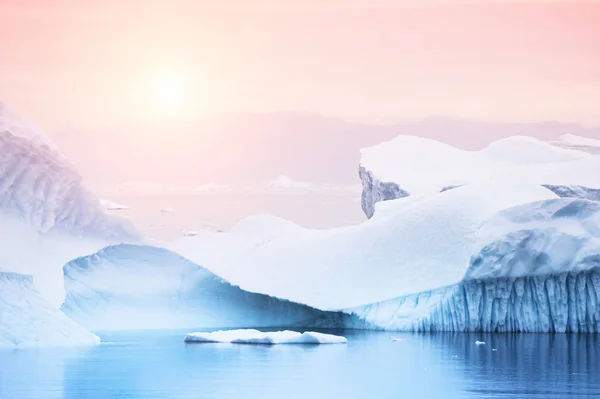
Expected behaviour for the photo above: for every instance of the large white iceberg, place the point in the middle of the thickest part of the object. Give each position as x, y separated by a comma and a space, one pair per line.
482, 257
413, 244
27, 320
265, 338
409, 165
139, 287
575, 142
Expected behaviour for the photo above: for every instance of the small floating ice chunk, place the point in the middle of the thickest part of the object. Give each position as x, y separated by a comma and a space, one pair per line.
494, 350
479, 343
167, 210
113, 206
265, 338
396, 339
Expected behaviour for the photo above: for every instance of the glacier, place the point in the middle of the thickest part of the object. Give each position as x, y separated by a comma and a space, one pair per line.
126, 287
28, 321
409, 165
536, 268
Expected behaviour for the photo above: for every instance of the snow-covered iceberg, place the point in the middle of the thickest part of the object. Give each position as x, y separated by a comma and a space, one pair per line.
410, 245
48, 215
139, 287
113, 206
535, 268
481, 257
411, 165
27, 320
265, 338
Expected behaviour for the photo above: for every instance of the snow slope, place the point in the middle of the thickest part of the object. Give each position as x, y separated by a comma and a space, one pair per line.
265, 338
534, 268
27, 320
48, 215
409, 165
410, 245
137, 287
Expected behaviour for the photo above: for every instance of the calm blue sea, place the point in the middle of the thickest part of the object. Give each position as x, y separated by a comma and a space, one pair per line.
158, 364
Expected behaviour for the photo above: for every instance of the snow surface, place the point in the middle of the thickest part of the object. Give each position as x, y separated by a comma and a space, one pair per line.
138, 287
411, 245
27, 320
579, 141
572, 141
411, 165
534, 268
268, 338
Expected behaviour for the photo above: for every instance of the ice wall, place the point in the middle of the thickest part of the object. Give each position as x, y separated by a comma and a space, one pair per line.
566, 302
27, 320
136, 287
374, 191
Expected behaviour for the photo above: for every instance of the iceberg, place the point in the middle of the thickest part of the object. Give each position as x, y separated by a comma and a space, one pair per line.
265, 338
580, 143
410, 245
28, 321
570, 191
48, 218
482, 257
113, 206
409, 165
127, 287
535, 268
45, 205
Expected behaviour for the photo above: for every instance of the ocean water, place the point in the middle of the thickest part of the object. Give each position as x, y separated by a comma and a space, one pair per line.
158, 364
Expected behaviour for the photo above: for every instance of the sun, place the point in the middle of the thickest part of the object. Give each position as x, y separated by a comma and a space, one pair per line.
169, 90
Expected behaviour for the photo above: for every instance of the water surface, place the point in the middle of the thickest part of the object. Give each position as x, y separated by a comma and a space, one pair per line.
157, 364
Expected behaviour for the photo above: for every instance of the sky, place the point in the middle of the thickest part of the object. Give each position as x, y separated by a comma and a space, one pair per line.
172, 96
92, 64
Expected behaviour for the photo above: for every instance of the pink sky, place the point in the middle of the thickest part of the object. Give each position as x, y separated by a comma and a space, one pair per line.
90, 64
92, 74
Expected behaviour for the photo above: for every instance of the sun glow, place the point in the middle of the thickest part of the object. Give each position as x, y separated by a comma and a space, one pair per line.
169, 91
